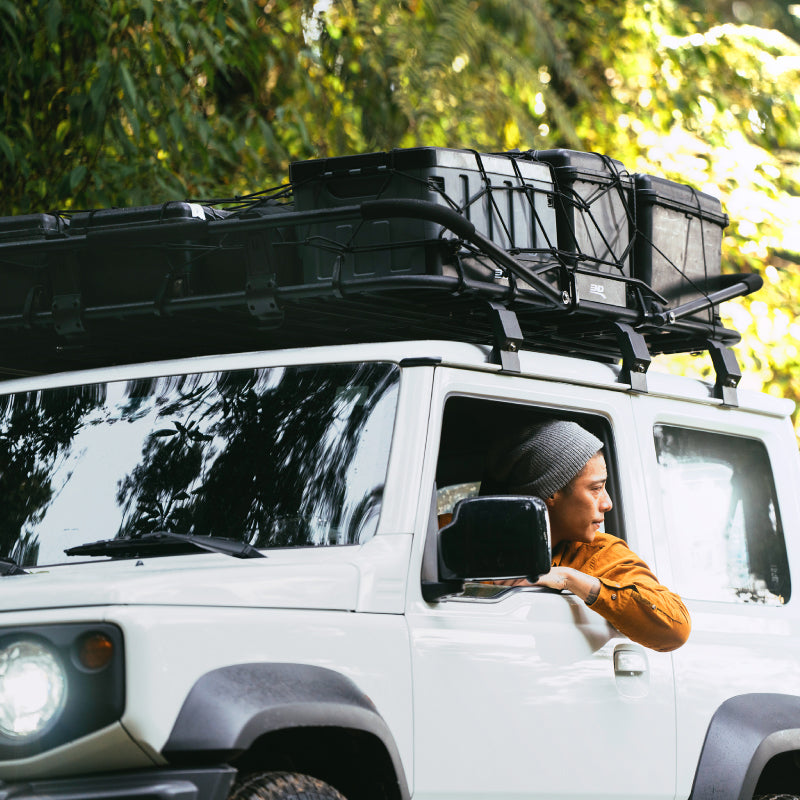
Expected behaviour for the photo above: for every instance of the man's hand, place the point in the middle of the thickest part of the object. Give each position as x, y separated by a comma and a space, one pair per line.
587, 587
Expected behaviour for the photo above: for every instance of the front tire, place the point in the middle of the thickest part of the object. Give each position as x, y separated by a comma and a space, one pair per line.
282, 786
776, 797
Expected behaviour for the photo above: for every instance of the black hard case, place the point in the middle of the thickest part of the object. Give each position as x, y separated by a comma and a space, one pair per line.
679, 244
508, 201
594, 210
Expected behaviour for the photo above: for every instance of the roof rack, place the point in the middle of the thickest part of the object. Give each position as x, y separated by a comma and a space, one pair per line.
545, 251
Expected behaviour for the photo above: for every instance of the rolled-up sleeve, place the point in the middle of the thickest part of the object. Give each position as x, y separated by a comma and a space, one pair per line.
631, 598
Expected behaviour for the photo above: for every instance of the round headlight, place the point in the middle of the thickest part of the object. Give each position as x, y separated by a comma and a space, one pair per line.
33, 688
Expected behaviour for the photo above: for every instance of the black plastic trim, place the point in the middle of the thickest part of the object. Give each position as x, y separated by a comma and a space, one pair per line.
169, 784
229, 708
421, 361
744, 734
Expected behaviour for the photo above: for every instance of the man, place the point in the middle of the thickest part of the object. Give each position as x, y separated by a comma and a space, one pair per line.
562, 463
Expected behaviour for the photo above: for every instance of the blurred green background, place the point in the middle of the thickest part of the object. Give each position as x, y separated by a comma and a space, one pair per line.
123, 102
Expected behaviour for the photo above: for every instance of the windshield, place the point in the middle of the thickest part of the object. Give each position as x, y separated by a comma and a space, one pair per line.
281, 457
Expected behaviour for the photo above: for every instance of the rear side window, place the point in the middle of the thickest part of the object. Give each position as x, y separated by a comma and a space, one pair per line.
722, 518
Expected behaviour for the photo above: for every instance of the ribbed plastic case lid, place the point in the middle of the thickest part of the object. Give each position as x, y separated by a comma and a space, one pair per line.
399, 159
578, 165
30, 226
679, 197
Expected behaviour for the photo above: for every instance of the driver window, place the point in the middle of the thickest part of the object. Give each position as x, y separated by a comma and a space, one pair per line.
470, 428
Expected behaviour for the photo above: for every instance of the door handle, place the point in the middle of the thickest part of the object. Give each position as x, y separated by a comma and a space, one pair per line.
630, 660
631, 670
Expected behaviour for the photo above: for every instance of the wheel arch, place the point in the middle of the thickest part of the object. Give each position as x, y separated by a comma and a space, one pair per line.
242, 712
745, 734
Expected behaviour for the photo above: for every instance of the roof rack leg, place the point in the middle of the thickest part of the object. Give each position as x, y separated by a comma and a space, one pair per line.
260, 286
635, 356
728, 373
507, 337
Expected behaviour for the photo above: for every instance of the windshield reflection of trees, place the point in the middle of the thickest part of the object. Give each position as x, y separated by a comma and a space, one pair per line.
261, 456
264, 464
37, 430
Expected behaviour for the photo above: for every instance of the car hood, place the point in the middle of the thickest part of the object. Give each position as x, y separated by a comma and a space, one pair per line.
186, 580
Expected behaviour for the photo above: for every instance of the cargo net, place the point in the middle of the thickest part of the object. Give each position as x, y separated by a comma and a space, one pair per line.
580, 222
424, 242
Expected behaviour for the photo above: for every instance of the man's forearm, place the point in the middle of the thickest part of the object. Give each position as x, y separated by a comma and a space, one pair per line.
587, 587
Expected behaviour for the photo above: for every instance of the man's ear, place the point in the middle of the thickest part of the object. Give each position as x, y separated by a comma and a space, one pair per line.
550, 501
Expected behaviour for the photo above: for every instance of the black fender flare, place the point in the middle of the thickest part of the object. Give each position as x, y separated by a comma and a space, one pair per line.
745, 732
227, 709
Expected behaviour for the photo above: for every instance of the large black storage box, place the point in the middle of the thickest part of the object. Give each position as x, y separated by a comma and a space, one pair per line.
124, 263
594, 210
508, 200
152, 254
22, 268
679, 244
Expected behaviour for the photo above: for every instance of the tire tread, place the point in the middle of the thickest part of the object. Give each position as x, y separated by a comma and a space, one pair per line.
282, 786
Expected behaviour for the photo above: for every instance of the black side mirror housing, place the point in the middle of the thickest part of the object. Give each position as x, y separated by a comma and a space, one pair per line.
492, 538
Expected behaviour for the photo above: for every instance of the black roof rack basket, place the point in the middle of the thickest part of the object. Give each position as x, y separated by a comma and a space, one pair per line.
185, 279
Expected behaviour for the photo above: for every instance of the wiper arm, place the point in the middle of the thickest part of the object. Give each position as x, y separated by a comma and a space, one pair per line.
164, 543
10, 567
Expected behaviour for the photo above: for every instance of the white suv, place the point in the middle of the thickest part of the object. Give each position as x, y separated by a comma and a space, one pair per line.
225, 575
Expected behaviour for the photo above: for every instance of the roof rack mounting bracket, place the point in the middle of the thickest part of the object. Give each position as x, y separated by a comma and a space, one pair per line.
261, 285
728, 373
67, 314
67, 298
507, 337
635, 357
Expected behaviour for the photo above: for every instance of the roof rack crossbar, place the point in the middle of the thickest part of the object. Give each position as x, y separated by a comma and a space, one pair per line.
738, 285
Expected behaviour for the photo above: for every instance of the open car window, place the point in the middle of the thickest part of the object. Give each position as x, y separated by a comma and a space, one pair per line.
470, 428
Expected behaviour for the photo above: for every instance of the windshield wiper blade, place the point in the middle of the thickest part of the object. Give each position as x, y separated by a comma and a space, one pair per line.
10, 567
164, 543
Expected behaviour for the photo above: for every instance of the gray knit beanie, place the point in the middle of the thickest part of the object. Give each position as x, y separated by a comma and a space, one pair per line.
539, 460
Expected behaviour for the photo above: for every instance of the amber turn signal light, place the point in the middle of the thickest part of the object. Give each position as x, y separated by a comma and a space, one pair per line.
95, 651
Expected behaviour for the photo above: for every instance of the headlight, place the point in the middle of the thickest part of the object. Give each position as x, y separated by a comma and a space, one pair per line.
58, 682
33, 688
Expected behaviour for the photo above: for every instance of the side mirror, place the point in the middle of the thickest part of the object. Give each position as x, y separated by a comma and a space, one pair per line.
492, 538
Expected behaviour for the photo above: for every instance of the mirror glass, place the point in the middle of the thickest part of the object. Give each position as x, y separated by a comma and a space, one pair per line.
495, 537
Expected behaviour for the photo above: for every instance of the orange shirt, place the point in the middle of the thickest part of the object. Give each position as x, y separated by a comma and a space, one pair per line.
631, 598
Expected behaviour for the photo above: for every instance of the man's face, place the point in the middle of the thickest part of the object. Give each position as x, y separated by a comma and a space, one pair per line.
577, 511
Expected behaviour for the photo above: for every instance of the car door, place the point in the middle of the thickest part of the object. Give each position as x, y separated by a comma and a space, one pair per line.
722, 488
524, 692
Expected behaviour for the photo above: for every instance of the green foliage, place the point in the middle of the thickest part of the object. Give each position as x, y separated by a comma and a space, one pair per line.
122, 101
112, 102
